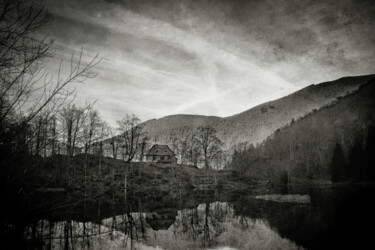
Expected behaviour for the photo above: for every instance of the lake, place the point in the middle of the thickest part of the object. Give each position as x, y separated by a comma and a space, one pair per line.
300, 217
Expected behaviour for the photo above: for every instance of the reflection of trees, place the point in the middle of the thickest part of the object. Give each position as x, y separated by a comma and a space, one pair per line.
198, 226
331, 215
207, 238
193, 221
124, 230
133, 227
241, 213
205, 226
187, 223
130, 229
204, 223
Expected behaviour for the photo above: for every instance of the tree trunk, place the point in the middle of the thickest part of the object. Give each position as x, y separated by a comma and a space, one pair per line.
53, 138
205, 160
100, 156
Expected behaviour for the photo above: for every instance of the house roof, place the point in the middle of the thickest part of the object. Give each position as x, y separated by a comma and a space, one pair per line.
160, 224
160, 150
162, 219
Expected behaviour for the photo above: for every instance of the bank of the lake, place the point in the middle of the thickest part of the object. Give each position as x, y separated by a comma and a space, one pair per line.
92, 175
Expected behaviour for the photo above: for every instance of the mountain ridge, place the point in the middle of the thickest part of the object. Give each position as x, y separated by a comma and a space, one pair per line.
336, 142
257, 123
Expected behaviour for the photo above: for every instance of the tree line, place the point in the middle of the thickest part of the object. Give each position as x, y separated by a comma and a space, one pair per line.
200, 147
30, 96
357, 164
334, 143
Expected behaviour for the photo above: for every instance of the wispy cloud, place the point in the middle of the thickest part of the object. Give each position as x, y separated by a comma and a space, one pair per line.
212, 58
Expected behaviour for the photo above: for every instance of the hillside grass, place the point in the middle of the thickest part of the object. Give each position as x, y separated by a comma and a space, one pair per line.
93, 175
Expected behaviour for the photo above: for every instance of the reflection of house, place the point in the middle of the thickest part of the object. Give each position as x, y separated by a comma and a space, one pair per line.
161, 153
161, 220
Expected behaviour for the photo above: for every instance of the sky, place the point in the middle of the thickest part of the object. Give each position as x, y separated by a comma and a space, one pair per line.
209, 57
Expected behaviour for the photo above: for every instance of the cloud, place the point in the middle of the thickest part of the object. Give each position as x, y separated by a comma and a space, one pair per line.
212, 58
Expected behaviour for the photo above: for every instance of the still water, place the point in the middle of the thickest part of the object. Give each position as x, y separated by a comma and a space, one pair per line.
300, 218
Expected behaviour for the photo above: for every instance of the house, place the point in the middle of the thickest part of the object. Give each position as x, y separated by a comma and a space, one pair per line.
161, 153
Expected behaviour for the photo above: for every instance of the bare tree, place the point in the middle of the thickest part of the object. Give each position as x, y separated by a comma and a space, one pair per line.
209, 143
25, 86
54, 134
39, 125
73, 117
114, 141
183, 149
173, 140
131, 131
144, 144
238, 158
91, 126
21, 54
193, 150
102, 135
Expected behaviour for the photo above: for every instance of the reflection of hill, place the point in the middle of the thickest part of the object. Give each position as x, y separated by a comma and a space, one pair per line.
161, 220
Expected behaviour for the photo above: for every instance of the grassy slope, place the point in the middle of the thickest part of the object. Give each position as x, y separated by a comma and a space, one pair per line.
28, 188
140, 177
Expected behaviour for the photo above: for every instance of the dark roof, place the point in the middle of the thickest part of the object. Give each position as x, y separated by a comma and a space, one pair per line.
161, 220
160, 150
160, 224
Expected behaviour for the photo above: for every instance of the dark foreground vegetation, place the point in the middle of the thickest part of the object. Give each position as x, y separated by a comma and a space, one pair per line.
334, 218
90, 176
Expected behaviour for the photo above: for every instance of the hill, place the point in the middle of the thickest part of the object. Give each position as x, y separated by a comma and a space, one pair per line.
257, 123
334, 143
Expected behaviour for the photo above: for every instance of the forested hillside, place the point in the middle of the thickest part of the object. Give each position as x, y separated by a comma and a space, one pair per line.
334, 143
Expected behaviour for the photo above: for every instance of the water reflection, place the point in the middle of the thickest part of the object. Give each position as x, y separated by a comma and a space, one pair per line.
209, 225
307, 218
